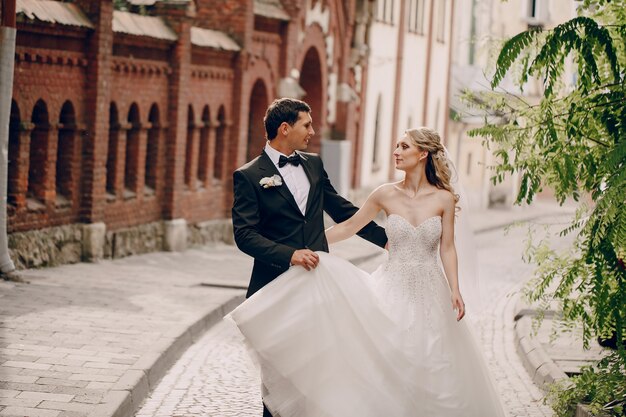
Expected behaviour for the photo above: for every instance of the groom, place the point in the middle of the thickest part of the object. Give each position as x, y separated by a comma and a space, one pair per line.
280, 197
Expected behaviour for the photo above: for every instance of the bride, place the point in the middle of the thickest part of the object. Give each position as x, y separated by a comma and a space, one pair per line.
338, 342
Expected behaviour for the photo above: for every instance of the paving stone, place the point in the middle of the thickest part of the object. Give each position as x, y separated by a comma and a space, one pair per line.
62, 382
92, 377
18, 378
26, 365
43, 396
14, 411
65, 406
18, 402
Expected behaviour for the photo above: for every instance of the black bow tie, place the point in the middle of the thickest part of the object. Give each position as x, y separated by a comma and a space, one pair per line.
293, 159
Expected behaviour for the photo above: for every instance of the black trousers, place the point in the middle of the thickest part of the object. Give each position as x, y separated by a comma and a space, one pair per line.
266, 412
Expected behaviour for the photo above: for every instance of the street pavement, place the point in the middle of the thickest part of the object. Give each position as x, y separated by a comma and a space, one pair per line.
96, 339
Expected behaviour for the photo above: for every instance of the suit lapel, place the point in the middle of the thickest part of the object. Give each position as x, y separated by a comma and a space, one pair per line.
313, 177
266, 165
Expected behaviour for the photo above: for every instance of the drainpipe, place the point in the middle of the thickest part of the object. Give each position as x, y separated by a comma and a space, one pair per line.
7, 60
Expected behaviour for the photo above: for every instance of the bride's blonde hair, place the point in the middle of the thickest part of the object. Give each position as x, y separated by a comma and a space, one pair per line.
438, 172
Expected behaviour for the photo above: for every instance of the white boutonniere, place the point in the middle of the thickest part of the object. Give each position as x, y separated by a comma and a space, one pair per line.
273, 181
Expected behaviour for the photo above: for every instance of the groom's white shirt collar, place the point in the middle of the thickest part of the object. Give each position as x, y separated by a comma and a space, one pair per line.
273, 153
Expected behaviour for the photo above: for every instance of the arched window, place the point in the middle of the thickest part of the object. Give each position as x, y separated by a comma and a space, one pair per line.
311, 81
14, 154
256, 130
66, 154
113, 150
220, 146
132, 151
152, 150
204, 153
189, 154
38, 154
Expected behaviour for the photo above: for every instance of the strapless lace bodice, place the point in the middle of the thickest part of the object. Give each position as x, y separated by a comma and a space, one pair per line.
410, 244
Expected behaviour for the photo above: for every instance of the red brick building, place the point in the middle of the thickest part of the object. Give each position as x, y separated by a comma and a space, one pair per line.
127, 124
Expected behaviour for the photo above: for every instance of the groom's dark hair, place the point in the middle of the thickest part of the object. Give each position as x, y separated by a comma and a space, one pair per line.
283, 110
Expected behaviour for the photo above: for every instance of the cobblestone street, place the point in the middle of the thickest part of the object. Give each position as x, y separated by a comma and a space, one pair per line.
216, 378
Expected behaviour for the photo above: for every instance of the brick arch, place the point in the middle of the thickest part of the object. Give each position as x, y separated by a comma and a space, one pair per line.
313, 38
39, 150
15, 121
190, 153
314, 79
261, 68
259, 101
204, 153
113, 150
153, 145
67, 156
131, 168
221, 147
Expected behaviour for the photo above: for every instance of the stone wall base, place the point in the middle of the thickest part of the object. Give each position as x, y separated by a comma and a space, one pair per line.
199, 234
47, 247
90, 242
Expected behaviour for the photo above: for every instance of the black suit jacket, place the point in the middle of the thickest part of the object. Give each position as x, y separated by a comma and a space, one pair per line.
269, 226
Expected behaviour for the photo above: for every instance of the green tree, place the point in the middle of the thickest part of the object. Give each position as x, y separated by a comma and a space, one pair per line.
572, 140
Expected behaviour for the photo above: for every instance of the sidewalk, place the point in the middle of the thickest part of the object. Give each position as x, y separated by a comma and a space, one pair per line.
94, 339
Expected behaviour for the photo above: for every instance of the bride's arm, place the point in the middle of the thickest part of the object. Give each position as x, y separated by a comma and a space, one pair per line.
363, 216
447, 251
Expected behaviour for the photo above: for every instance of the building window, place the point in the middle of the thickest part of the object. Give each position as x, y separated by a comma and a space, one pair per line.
131, 167
441, 20
113, 151
416, 16
384, 11
66, 156
205, 147
472, 43
14, 155
38, 155
152, 151
532, 9
219, 164
189, 151
536, 13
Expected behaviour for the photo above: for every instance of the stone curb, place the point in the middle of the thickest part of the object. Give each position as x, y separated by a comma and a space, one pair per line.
126, 396
540, 367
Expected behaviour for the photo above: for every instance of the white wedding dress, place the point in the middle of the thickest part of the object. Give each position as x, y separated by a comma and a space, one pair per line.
338, 342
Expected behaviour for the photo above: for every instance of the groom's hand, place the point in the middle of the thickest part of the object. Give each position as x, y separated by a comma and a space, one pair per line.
305, 258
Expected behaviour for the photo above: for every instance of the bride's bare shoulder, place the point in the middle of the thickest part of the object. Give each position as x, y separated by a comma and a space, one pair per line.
446, 197
385, 190
381, 193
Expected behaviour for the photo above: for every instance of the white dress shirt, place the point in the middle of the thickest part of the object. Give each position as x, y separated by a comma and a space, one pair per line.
294, 176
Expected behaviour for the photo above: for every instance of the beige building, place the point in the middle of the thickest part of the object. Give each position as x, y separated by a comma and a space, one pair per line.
406, 77
480, 28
